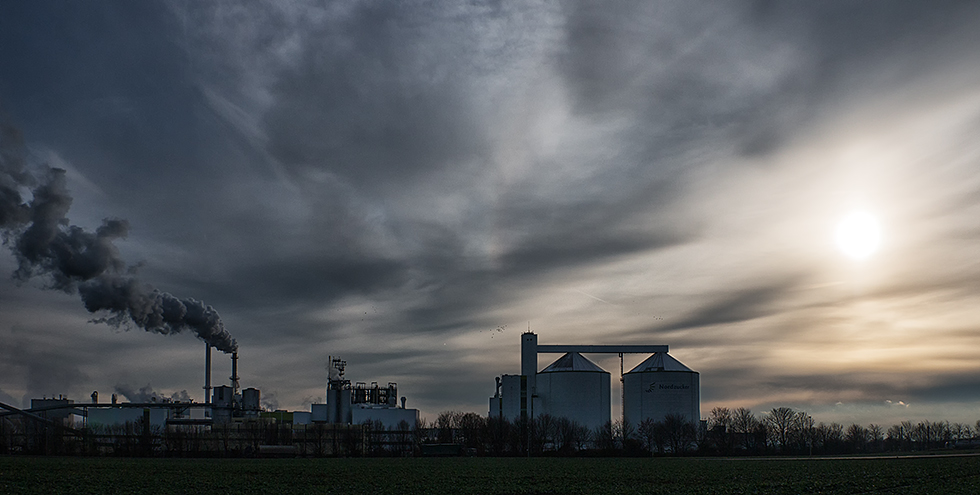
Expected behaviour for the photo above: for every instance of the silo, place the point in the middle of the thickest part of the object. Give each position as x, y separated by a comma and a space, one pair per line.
659, 386
251, 402
221, 404
575, 388
338, 402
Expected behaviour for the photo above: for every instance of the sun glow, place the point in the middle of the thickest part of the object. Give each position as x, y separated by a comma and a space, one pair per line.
858, 235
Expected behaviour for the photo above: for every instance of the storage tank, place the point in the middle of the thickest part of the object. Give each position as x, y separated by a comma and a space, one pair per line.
575, 388
222, 400
251, 402
659, 386
338, 402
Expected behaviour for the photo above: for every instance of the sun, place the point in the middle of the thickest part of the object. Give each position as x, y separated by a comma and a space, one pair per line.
858, 235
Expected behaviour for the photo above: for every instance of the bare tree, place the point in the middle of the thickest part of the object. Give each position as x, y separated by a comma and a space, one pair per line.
830, 437
803, 431
544, 432
780, 421
650, 436
857, 438
967, 432
944, 433
744, 425
498, 431
472, 430
604, 437
720, 417
956, 431
900, 436
569, 436
875, 437
720, 426
679, 433
625, 433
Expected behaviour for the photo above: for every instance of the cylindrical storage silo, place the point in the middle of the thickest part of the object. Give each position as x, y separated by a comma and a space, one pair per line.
221, 404
251, 400
338, 403
575, 388
659, 386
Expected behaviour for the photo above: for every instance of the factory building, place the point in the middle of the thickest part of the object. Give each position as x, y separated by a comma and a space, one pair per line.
659, 386
55, 409
510, 400
227, 404
156, 412
346, 404
576, 388
571, 387
361, 402
118, 415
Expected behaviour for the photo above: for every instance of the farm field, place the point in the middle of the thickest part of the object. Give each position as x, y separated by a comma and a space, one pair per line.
70, 475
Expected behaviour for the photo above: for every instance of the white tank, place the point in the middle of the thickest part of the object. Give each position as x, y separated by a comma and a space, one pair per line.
659, 386
575, 388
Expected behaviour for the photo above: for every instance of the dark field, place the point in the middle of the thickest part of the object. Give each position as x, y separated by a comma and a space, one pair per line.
49, 475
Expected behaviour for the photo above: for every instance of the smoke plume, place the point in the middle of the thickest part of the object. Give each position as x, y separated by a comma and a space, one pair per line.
46, 245
147, 394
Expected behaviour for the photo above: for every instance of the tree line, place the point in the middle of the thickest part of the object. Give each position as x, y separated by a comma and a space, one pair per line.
784, 430
726, 432
738, 431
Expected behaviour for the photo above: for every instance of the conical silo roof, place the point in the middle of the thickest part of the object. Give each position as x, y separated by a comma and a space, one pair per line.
573, 361
660, 361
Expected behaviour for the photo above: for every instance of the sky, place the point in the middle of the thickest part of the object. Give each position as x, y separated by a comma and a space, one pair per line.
411, 185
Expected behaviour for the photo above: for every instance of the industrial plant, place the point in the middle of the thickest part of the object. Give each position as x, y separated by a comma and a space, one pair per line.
225, 404
352, 412
358, 416
574, 387
362, 403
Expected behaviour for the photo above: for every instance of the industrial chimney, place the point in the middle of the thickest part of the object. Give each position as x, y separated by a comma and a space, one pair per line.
234, 373
207, 373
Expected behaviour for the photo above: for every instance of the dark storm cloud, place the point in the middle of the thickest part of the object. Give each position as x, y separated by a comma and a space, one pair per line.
376, 99
387, 99
870, 386
569, 232
361, 102
104, 82
448, 164
853, 33
575, 250
313, 279
686, 74
751, 73
946, 387
739, 305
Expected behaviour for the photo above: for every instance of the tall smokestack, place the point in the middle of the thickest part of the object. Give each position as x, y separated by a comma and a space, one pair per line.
234, 373
74, 260
207, 373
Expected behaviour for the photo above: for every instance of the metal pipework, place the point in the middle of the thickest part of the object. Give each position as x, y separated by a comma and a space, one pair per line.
603, 349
